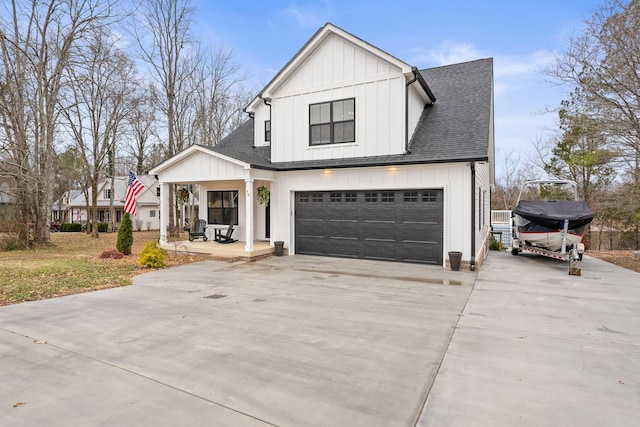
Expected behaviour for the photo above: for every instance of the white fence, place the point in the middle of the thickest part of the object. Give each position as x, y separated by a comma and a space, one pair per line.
501, 221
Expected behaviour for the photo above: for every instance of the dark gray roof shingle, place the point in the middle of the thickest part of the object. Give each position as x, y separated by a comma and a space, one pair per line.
456, 128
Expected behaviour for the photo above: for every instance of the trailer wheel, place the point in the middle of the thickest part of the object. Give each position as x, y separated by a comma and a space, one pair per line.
514, 251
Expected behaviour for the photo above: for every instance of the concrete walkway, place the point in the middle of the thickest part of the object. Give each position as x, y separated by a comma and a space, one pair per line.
312, 341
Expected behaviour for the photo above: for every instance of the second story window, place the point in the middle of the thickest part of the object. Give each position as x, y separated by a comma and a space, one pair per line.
107, 193
267, 130
332, 122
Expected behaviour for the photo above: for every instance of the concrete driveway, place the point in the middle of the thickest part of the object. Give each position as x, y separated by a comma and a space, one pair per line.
287, 341
537, 347
310, 341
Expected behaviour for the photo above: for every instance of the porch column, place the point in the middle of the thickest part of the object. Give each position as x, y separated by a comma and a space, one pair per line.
248, 245
164, 212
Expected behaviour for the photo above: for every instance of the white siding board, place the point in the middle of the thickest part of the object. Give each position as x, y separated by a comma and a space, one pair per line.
339, 69
202, 167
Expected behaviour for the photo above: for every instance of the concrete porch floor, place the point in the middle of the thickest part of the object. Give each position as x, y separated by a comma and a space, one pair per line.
227, 251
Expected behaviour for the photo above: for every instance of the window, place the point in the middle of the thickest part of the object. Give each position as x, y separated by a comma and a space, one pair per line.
303, 197
371, 197
316, 197
107, 193
387, 196
267, 130
332, 122
350, 197
336, 197
222, 207
429, 197
152, 214
410, 196
157, 191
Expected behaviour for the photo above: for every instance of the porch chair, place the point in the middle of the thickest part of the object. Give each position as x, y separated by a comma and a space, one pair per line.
198, 230
225, 238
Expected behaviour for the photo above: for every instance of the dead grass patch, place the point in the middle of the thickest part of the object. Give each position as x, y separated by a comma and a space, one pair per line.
71, 264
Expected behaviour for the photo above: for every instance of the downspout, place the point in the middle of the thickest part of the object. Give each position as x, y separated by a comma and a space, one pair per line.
406, 112
472, 262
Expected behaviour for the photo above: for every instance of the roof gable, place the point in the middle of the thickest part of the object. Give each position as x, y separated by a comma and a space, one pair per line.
315, 44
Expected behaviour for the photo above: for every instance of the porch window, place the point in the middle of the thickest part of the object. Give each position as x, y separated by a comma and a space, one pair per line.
332, 122
222, 207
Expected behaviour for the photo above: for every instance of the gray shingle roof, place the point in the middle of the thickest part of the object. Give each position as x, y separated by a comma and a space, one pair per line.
456, 128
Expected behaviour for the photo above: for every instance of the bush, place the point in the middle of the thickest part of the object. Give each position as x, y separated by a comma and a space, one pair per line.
152, 256
12, 243
125, 235
103, 227
494, 245
71, 228
112, 253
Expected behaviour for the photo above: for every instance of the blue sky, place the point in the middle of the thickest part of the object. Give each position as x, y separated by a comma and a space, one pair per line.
521, 36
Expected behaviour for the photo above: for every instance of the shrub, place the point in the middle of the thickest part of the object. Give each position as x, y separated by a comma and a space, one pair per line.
12, 243
152, 256
112, 253
494, 245
71, 228
125, 235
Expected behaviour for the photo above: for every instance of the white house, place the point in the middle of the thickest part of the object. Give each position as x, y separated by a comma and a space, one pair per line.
72, 207
364, 155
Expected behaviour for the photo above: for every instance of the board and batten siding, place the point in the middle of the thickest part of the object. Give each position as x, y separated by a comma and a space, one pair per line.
338, 69
416, 106
201, 166
454, 179
483, 203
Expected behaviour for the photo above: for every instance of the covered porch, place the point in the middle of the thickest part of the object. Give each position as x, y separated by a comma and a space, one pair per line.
227, 191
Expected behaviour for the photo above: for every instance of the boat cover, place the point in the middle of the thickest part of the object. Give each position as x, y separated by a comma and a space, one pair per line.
551, 214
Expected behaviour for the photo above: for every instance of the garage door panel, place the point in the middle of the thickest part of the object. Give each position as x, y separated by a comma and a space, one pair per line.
381, 249
423, 252
400, 225
345, 247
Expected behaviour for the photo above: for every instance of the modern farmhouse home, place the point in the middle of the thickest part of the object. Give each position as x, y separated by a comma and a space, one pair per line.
361, 155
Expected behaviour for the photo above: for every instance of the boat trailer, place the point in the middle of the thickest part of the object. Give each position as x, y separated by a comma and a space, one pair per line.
572, 255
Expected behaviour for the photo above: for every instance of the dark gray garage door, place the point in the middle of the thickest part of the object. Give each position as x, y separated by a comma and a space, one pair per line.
403, 225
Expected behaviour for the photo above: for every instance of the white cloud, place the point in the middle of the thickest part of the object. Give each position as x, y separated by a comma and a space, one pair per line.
448, 52
309, 17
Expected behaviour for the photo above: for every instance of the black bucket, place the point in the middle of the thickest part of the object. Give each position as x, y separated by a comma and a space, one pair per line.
455, 258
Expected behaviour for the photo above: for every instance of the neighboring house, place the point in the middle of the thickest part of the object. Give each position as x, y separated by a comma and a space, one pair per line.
72, 207
8, 211
365, 156
61, 212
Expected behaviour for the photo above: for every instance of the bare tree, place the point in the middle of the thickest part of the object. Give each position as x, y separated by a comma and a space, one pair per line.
98, 100
38, 40
220, 97
515, 172
165, 44
142, 127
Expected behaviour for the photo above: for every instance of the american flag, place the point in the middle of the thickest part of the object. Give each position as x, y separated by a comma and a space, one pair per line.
134, 187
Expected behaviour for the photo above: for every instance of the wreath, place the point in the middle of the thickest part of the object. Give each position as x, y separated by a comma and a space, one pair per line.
183, 196
263, 195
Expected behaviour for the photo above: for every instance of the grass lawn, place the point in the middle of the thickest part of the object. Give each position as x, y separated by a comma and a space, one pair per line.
71, 265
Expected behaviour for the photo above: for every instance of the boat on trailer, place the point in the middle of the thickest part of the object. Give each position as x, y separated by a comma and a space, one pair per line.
550, 220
